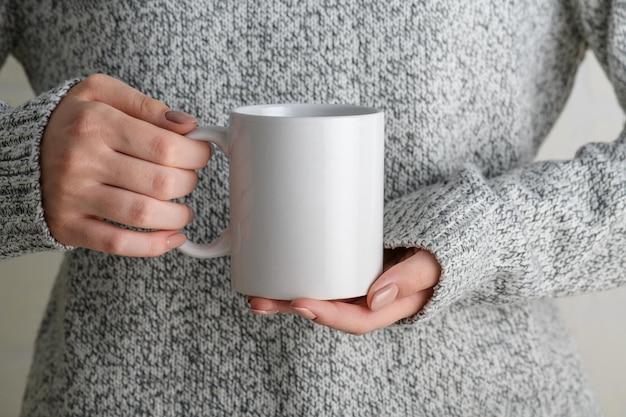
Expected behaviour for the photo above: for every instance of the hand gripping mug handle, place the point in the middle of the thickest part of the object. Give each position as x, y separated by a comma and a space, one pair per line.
221, 245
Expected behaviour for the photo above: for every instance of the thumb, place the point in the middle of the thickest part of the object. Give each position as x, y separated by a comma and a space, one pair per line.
416, 272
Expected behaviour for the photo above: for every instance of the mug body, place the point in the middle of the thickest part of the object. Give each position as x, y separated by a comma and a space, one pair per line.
306, 200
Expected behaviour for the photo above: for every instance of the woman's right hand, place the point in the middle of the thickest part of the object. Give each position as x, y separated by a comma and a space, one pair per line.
112, 153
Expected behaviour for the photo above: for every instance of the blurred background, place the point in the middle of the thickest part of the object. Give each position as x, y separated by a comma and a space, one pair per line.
598, 321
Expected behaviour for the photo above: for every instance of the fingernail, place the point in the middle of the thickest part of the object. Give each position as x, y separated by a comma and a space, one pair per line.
263, 312
304, 312
192, 214
180, 117
175, 240
383, 297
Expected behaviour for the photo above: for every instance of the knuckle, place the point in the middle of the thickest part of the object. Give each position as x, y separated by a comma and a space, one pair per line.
83, 121
97, 79
147, 105
117, 243
140, 213
87, 122
165, 150
122, 243
91, 84
163, 185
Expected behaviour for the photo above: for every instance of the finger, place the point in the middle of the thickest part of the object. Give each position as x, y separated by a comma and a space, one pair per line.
136, 210
416, 273
103, 237
153, 180
357, 318
183, 122
95, 124
151, 143
267, 306
109, 90
104, 121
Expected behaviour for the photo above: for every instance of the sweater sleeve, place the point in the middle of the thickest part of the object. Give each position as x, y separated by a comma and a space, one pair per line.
547, 229
22, 226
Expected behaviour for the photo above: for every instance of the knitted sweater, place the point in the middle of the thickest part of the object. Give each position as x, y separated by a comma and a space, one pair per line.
470, 90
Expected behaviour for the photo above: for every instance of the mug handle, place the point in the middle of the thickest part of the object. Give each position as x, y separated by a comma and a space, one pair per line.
221, 245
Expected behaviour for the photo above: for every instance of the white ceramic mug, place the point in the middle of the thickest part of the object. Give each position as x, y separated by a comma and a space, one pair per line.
306, 200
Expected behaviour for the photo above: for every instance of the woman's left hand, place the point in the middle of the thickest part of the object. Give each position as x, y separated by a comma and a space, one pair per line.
402, 290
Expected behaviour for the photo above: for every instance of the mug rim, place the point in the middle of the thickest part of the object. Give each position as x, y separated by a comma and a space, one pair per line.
305, 110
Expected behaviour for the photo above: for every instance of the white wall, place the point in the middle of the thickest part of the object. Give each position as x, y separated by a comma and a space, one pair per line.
597, 320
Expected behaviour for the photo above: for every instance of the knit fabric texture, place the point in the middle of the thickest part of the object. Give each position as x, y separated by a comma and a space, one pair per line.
470, 90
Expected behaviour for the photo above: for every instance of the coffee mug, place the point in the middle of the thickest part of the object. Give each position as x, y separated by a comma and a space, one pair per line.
306, 200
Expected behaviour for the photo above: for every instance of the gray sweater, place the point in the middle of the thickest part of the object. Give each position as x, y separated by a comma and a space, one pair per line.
470, 90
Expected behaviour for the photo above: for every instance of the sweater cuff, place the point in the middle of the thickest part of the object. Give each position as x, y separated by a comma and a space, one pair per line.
456, 221
24, 229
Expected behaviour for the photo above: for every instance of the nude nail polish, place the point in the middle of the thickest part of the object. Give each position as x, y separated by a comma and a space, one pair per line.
263, 312
180, 117
175, 240
384, 297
